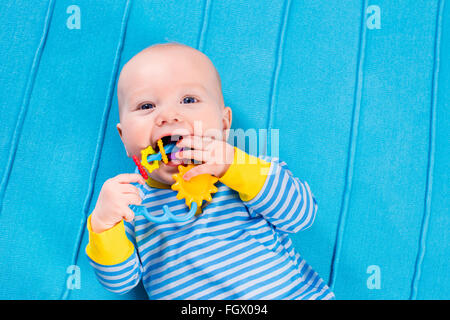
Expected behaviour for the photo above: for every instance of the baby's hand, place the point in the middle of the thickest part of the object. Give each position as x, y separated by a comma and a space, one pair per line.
216, 155
112, 204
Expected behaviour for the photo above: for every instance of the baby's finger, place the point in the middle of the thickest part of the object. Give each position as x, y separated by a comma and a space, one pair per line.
130, 177
199, 155
132, 198
194, 142
128, 188
128, 214
201, 169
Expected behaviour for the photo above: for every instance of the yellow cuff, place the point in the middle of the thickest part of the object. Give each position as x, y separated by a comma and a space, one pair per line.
109, 247
246, 174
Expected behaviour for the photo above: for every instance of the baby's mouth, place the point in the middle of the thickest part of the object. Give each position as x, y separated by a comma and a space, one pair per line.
172, 160
166, 140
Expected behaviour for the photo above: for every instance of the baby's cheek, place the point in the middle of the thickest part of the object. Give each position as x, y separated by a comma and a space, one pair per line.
211, 122
138, 139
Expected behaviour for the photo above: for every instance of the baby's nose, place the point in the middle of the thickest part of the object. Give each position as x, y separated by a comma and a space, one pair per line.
167, 117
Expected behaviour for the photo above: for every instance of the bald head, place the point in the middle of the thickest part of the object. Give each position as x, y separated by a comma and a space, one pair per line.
180, 47
168, 61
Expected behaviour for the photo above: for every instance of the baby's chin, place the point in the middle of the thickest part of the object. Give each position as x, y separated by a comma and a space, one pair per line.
164, 173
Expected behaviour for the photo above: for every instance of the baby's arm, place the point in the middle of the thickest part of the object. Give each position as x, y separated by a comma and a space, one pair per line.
114, 258
110, 251
269, 189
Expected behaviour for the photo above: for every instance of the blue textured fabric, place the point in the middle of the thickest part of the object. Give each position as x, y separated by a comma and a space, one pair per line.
362, 105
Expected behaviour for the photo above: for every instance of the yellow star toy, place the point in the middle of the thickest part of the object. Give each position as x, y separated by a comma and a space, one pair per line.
196, 190
144, 159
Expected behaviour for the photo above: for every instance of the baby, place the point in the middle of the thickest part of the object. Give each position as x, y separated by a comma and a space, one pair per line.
238, 247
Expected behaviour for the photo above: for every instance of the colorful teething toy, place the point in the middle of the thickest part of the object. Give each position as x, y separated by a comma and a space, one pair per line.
195, 190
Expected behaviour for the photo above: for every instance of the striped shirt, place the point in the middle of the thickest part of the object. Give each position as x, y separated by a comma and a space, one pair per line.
233, 250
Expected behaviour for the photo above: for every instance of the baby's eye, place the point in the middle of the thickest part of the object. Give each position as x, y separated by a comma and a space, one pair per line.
146, 106
189, 100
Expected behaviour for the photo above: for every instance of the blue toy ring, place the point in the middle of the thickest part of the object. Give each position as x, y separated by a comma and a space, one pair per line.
167, 216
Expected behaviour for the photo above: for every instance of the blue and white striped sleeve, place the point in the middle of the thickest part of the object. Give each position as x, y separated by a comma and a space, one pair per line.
284, 200
119, 278
113, 256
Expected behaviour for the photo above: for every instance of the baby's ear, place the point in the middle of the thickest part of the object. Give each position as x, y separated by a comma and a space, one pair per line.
226, 118
119, 128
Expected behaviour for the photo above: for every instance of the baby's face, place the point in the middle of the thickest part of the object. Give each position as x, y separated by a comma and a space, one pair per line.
169, 91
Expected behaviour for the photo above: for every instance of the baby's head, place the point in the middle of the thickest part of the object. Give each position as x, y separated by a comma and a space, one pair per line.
169, 90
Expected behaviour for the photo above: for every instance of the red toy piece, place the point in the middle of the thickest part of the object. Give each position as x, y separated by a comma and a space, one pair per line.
140, 167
